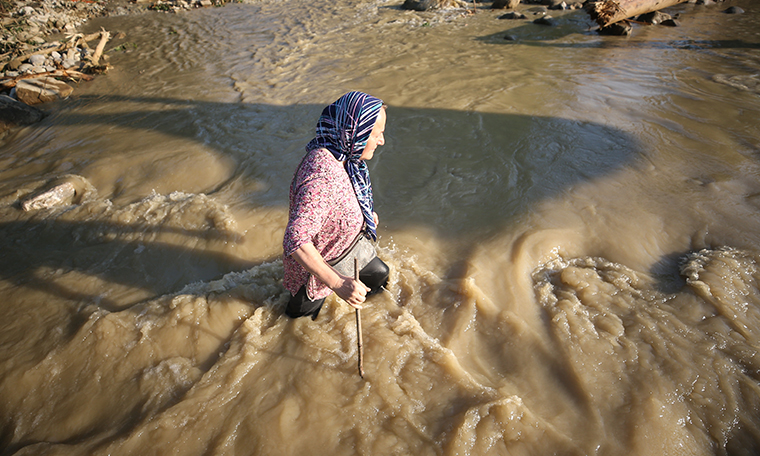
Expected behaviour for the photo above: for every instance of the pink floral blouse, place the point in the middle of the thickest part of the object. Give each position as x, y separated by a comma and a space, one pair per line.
324, 211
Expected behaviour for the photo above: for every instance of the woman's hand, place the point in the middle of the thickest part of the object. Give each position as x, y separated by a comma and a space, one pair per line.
375, 218
352, 291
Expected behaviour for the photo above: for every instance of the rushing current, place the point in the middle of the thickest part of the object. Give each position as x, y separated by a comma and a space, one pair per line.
572, 223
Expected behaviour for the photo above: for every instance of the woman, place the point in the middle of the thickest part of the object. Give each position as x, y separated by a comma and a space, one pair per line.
331, 206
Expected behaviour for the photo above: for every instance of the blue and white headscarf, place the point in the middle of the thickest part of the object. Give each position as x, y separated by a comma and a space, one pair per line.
343, 129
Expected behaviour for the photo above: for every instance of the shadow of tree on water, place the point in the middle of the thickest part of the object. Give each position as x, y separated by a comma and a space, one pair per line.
460, 174
38, 254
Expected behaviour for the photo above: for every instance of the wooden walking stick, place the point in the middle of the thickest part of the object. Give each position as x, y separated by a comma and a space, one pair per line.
359, 326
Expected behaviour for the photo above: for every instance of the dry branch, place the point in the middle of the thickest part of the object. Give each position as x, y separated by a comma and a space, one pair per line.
606, 12
104, 36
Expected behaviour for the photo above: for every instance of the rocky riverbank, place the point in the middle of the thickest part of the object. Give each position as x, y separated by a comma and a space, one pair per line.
41, 48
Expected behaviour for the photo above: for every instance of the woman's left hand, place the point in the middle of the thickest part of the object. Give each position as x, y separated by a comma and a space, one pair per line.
375, 218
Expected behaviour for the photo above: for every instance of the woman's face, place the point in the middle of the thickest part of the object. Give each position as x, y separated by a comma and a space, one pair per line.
376, 138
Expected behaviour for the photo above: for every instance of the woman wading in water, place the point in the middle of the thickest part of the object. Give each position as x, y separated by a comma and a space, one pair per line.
331, 219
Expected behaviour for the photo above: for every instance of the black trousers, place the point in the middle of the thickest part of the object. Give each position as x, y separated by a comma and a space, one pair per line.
374, 276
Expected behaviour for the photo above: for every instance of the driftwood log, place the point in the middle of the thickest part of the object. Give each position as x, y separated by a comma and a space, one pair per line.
606, 12
104, 36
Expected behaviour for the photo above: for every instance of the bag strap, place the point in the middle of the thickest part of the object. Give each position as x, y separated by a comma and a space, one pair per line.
348, 250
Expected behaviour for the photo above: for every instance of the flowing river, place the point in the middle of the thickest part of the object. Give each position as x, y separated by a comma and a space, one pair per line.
572, 222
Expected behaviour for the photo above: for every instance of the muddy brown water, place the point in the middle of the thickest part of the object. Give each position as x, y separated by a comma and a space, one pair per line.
572, 223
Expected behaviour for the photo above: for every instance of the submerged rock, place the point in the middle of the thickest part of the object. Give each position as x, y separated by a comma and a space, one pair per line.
512, 15
427, 5
546, 20
15, 114
733, 10
616, 29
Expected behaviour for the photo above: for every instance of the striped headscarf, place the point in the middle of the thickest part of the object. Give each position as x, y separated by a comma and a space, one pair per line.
343, 129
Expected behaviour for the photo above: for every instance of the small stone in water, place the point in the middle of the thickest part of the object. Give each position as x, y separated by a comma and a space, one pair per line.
733, 10
546, 20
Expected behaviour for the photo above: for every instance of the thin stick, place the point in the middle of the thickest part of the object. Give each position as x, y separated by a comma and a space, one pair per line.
359, 326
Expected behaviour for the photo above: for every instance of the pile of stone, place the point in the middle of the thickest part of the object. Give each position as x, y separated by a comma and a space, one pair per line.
34, 71
70, 59
29, 25
39, 76
38, 63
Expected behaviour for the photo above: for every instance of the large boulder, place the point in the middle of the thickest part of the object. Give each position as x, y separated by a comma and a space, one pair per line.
42, 90
17, 114
428, 5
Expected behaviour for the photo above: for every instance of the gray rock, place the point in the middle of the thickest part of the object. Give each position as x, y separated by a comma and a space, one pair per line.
670, 23
37, 59
733, 10
17, 114
545, 20
25, 67
654, 17
559, 6
512, 15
